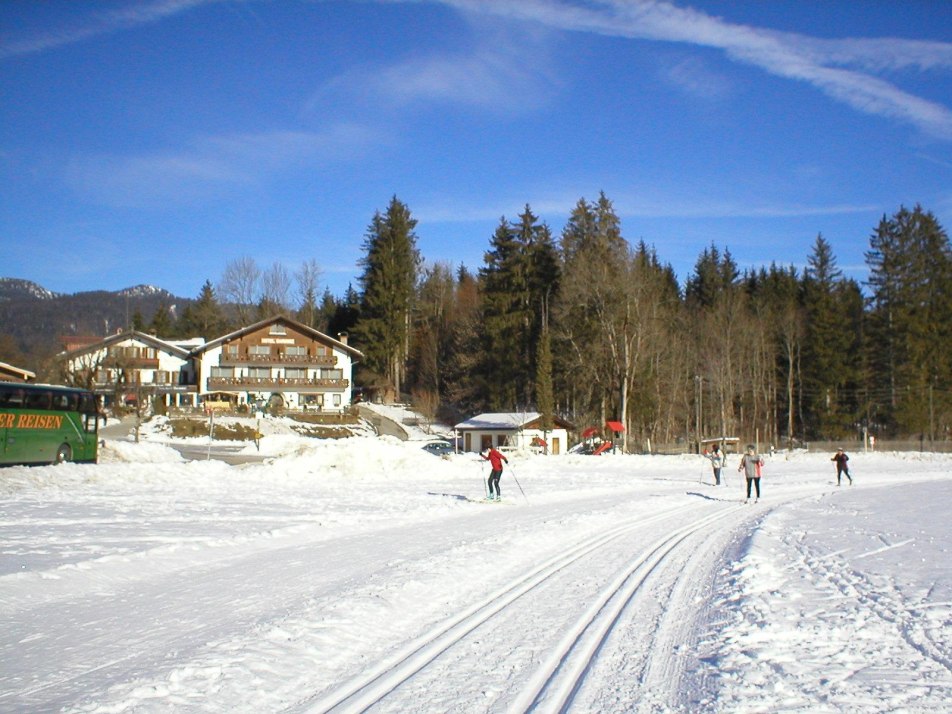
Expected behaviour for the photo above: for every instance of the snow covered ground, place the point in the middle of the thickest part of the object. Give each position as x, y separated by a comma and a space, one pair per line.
365, 574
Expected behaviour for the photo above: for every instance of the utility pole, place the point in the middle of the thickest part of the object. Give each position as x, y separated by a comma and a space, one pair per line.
697, 410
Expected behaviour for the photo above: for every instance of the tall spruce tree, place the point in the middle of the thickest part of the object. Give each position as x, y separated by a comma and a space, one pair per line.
910, 264
831, 347
163, 321
204, 317
391, 265
504, 290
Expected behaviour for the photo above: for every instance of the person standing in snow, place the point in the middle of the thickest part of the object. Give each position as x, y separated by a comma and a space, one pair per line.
717, 462
750, 464
842, 469
495, 459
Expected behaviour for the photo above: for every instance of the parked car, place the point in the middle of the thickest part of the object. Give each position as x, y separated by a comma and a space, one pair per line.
438, 448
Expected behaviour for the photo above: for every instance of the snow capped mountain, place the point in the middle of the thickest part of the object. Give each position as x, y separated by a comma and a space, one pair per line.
144, 291
17, 289
14, 288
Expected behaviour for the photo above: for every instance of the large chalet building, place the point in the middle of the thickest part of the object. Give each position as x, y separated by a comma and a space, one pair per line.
278, 362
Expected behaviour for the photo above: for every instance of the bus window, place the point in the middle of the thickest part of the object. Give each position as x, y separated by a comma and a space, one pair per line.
38, 400
12, 398
61, 402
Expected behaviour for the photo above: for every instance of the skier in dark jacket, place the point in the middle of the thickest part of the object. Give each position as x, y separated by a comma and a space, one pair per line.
495, 459
842, 469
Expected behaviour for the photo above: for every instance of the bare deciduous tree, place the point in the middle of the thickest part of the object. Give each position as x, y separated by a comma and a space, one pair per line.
308, 278
239, 286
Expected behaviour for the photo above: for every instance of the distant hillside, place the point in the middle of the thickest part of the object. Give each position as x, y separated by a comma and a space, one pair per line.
35, 318
14, 289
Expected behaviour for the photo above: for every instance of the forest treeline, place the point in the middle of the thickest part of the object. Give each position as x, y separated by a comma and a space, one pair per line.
590, 327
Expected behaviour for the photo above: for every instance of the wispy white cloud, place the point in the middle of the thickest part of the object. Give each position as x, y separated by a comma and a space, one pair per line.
695, 78
842, 69
497, 68
101, 23
210, 166
554, 205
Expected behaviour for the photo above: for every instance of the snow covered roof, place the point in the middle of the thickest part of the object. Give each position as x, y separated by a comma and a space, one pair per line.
173, 348
507, 421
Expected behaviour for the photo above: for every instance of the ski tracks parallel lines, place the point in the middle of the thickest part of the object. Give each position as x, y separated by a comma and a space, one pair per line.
369, 688
557, 681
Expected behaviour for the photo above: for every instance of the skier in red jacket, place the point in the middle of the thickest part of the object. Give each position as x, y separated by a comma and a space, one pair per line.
495, 459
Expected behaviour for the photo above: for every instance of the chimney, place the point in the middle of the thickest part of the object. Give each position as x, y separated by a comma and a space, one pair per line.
342, 336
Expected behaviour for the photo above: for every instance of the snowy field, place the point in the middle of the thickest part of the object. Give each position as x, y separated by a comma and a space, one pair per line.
366, 574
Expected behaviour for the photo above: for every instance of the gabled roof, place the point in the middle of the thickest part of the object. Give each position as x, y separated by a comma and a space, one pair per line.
507, 421
299, 326
142, 337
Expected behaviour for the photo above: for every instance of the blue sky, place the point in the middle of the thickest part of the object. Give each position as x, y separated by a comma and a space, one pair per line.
153, 142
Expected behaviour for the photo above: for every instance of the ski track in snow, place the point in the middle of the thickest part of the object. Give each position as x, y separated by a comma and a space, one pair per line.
205, 588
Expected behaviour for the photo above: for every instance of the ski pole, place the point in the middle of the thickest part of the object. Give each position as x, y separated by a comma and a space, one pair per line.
479, 468
518, 484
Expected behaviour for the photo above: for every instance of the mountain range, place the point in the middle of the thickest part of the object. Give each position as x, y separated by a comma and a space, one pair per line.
33, 318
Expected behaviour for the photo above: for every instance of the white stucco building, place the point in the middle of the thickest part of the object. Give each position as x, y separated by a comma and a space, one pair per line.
278, 362
518, 431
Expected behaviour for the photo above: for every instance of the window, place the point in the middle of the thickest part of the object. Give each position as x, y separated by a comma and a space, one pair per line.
295, 373
296, 351
259, 350
223, 372
278, 329
336, 400
38, 400
231, 350
259, 372
332, 374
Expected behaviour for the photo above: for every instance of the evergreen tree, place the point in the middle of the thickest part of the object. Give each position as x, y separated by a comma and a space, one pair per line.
519, 280
713, 275
504, 293
163, 324
342, 315
910, 264
204, 317
831, 347
466, 385
545, 397
325, 312
391, 265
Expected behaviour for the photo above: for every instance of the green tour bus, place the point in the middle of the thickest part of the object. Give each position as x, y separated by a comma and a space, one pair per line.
47, 424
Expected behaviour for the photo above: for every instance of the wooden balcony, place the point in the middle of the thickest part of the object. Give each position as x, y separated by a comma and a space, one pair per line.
280, 358
131, 362
274, 383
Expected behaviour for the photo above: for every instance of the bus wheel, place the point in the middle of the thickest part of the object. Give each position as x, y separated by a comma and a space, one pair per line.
63, 453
